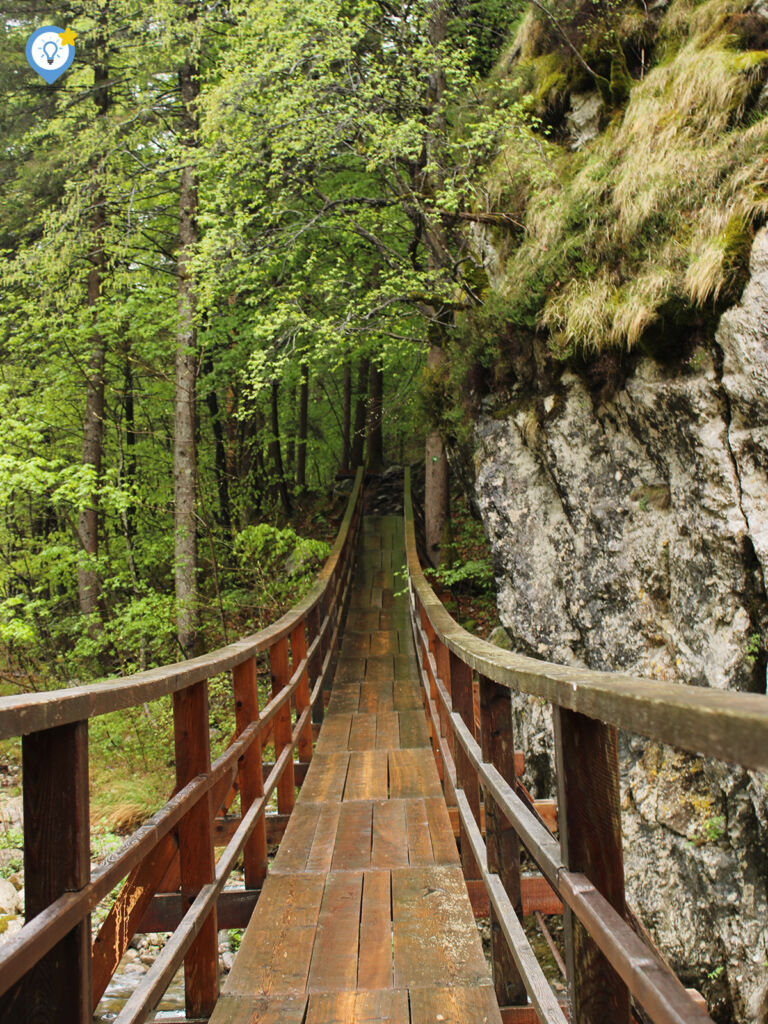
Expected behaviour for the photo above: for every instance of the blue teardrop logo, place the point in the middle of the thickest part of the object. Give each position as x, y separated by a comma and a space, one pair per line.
50, 51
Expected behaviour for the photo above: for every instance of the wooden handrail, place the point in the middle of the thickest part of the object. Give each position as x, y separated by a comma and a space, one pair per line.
715, 723
25, 713
51, 956
607, 961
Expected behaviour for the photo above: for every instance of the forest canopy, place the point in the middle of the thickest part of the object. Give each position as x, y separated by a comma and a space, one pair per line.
245, 248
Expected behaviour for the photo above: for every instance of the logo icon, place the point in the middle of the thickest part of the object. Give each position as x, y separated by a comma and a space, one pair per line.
50, 51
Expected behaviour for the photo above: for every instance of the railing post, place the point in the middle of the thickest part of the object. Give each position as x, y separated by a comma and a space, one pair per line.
286, 786
466, 777
315, 664
298, 653
498, 745
589, 824
251, 777
193, 757
57, 859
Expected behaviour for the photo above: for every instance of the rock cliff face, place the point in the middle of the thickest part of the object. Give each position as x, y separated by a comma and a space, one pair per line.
631, 532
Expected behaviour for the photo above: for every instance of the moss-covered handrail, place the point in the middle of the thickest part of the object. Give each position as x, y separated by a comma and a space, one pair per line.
609, 963
49, 970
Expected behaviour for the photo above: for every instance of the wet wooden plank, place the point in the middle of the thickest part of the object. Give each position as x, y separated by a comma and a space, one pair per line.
413, 729
349, 669
375, 967
260, 1009
476, 1005
334, 959
444, 847
376, 696
362, 735
325, 778
406, 695
345, 699
363, 621
297, 841
334, 733
367, 776
276, 951
324, 842
419, 838
383, 642
381, 669
358, 1008
352, 849
387, 730
436, 941
413, 773
390, 835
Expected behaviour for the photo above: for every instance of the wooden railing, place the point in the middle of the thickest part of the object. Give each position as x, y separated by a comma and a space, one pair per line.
50, 971
609, 962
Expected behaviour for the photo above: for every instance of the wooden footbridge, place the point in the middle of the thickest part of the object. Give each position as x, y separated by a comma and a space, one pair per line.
411, 820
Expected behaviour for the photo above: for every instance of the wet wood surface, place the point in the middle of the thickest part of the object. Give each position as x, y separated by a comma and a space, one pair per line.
364, 914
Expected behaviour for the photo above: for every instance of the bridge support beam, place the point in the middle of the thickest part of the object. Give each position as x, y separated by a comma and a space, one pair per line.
498, 746
251, 775
589, 821
462, 699
57, 860
193, 757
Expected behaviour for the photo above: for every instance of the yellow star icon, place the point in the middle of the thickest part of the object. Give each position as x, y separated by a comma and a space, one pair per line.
67, 37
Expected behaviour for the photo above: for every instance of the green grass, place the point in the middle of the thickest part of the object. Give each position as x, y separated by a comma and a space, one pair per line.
653, 221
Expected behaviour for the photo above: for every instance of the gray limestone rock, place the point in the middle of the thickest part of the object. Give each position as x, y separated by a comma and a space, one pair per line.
632, 533
585, 117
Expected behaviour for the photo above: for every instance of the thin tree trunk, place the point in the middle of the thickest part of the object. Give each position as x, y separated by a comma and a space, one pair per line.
290, 442
435, 481
222, 517
375, 406
88, 583
276, 451
129, 405
301, 451
184, 453
346, 421
361, 405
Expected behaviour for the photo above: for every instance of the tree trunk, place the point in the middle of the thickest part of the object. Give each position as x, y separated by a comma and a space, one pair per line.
223, 517
301, 452
375, 406
129, 405
358, 439
346, 420
184, 452
276, 451
435, 481
88, 583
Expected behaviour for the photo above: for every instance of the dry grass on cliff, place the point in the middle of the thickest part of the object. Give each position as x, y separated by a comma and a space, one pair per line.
659, 212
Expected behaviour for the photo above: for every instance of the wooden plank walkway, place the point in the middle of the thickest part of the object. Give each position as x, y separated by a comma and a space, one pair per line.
364, 916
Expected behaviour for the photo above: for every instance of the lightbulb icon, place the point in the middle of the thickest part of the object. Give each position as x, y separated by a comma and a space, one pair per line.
50, 49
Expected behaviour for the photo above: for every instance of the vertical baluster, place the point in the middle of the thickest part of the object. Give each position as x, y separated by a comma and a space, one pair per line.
434, 696
286, 786
298, 653
251, 775
56, 860
498, 744
193, 757
589, 823
466, 777
315, 663
444, 674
